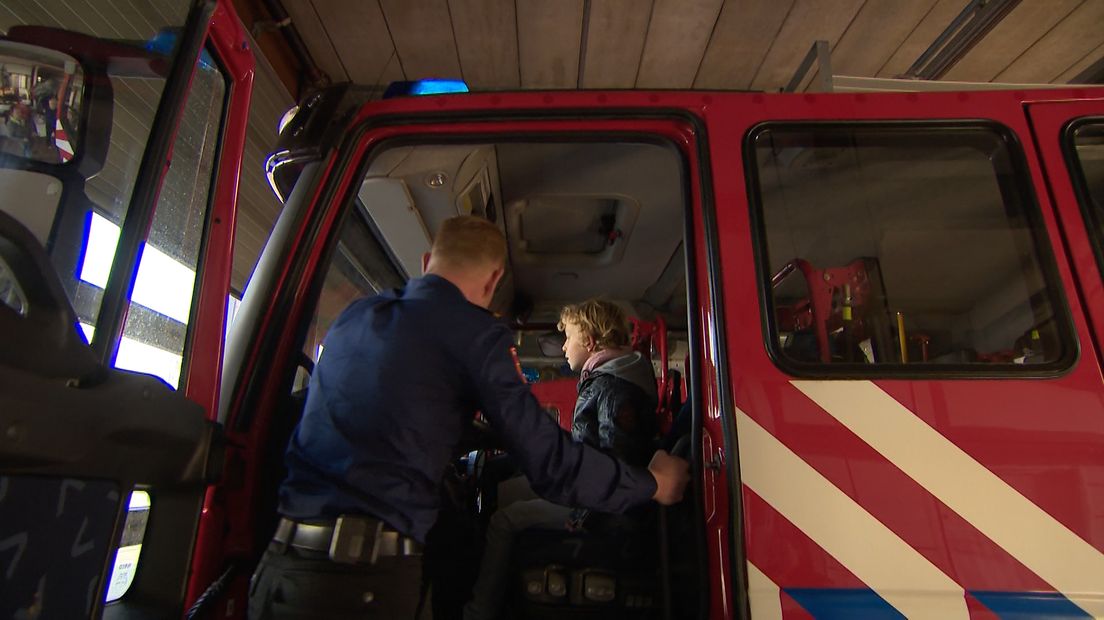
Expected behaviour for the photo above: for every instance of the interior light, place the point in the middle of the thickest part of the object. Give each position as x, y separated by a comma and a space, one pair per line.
436, 179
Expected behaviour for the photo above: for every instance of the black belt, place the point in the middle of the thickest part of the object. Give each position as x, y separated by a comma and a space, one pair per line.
349, 539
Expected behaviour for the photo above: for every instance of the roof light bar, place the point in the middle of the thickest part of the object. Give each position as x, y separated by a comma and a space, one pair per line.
425, 87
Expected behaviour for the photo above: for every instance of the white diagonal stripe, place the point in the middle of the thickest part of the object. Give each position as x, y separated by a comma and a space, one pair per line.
1039, 541
847, 532
765, 596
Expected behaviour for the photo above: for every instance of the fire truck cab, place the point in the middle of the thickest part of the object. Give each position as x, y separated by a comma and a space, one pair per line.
874, 317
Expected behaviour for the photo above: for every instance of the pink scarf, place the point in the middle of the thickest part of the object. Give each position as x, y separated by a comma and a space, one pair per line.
601, 357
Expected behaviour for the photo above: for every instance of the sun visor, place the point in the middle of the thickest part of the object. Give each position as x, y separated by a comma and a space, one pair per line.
391, 208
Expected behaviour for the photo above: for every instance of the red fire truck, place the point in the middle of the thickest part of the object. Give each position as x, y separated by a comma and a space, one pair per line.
875, 319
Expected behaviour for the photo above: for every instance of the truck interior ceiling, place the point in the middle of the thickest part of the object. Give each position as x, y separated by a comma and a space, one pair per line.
583, 219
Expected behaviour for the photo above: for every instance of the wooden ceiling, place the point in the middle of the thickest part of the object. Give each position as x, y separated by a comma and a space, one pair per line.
681, 44
511, 44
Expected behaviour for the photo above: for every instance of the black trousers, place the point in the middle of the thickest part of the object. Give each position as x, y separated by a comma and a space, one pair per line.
291, 584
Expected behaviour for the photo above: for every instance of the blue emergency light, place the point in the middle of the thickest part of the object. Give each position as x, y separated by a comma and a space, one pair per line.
165, 43
424, 87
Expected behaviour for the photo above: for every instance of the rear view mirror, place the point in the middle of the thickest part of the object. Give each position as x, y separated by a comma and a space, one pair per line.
551, 344
41, 100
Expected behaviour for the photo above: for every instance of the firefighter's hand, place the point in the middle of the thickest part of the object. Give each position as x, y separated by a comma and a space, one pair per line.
671, 475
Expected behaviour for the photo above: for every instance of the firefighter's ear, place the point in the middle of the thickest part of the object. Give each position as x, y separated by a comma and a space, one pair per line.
485, 288
492, 283
425, 263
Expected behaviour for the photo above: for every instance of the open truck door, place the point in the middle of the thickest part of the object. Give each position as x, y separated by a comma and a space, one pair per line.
1069, 137
119, 163
365, 184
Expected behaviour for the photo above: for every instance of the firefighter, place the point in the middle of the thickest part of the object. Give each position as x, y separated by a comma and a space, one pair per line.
400, 379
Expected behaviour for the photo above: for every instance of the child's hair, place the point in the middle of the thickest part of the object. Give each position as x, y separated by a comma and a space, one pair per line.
603, 321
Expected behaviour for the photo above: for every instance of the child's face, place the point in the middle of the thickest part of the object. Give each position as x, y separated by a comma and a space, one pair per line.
577, 347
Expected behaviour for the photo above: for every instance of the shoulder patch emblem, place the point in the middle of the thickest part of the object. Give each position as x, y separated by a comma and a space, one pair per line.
517, 364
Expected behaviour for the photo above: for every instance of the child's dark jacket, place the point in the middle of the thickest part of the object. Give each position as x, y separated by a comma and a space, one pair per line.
616, 409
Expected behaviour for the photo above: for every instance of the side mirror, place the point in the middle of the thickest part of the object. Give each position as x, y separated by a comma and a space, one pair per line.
41, 103
551, 344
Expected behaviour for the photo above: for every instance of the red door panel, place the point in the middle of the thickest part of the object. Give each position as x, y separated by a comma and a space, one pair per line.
1053, 123
933, 484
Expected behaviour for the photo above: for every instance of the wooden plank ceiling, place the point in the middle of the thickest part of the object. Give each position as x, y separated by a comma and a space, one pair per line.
706, 44
514, 44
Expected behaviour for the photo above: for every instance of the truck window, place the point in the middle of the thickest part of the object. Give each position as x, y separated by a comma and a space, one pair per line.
1085, 144
130, 546
359, 267
903, 246
161, 303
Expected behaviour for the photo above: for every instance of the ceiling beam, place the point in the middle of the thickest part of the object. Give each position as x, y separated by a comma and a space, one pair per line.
486, 41
272, 37
549, 42
678, 34
613, 41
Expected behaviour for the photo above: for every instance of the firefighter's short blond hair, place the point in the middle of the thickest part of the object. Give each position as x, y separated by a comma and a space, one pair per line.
469, 241
602, 321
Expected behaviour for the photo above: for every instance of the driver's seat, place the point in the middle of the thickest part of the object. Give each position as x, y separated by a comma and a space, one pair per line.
611, 570
606, 573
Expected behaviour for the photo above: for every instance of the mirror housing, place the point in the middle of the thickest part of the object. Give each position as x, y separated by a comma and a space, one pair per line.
97, 59
41, 103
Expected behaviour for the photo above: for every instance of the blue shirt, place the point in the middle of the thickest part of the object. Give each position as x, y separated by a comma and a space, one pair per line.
401, 377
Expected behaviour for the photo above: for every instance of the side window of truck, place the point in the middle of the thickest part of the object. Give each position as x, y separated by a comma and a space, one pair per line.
1085, 149
161, 303
358, 268
903, 247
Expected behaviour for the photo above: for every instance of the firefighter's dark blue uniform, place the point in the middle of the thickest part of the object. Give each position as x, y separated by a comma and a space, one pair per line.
400, 377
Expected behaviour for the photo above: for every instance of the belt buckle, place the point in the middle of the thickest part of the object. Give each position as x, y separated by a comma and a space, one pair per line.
284, 530
359, 539
352, 536
387, 543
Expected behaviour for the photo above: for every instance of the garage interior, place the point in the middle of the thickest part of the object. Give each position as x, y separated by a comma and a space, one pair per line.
600, 44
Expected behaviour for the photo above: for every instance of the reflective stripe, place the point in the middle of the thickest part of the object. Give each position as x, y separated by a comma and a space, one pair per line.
61, 141
865, 546
1029, 605
843, 603
1039, 541
764, 595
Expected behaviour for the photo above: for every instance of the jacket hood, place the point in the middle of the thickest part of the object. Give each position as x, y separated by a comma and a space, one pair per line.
633, 368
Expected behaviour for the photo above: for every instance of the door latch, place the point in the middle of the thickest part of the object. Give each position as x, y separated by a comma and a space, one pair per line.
714, 462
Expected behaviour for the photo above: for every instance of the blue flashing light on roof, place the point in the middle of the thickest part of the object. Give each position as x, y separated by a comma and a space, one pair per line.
165, 42
424, 87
